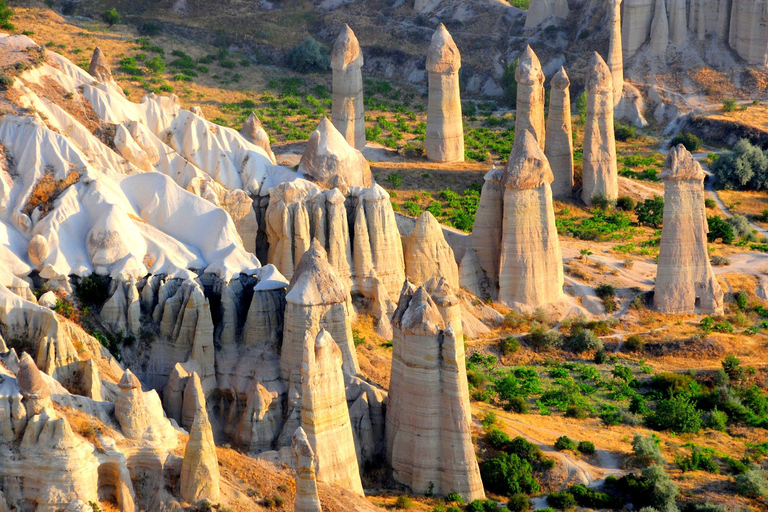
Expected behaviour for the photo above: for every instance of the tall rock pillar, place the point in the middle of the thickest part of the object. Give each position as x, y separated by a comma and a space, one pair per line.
348, 112
748, 34
559, 143
660, 28
600, 174
635, 25
306, 484
530, 96
684, 273
445, 130
615, 55
678, 26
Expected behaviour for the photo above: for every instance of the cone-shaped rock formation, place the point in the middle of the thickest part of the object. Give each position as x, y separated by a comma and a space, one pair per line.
200, 467
328, 157
306, 484
530, 96
254, 132
348, 112
559, 143
427, 254
615, 55
445, 130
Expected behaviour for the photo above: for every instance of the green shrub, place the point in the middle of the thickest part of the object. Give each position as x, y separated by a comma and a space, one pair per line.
577, 411
625, 203
650, 211
741, 226
663, 491
516, 404
93, 290
601, 202
590, 498
309, 57
710, 203
497, 438
745, 167
581, 106
669, 383
542, 339
677, 413
561, 500
150, 28
584, 340
5, 16
647, 449
586, 447
600, 356
729, 105
156, 64
403, 502
623, 132
697, 461
634, 343
509, 84
482, 506
394, 179
752, 484
565, 443
111, 17
507, 474
519, 503
718, 228
524, 449
453, 497
509, 345
690, 141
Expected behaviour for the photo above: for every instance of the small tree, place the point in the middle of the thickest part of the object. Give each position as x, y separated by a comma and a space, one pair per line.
718, 228
581, 106
729, 105
156, 64
651, 211
5, 16
111, 17
678, 414
647, 449
509, 84
752, 484
690, 141
309, 57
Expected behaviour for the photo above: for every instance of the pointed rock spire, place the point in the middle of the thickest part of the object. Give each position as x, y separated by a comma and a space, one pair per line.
559, 143
615, 54
99, 67
32, 385
254, 132
660, 28
200, 467
348, 111
306, 484
530, 96
427, 254
445, 130
328, 154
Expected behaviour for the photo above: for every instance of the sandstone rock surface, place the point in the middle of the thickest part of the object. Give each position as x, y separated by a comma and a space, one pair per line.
254, 132
559, 142
660, 28
684, 273
348, 111
328, 157
636, 25
486, 231
530, 96
678, 22
615, 53
445, 130
748, 35
200, 467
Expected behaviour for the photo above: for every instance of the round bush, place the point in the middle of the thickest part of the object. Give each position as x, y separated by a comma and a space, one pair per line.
600, 356
309, 57
625, 203
752, 483
561, 500
111, 17
634, 344
583, 341
507, 474
516, 404
677, 414
623, 132
586, 447
565, 443
710, 203
519, 503
689, 140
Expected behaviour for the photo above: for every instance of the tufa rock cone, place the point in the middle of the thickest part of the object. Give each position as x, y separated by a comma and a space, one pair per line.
328, 156
254, 132
99, 67
427, 254
348, 111
559, 144
445, 130
200, 467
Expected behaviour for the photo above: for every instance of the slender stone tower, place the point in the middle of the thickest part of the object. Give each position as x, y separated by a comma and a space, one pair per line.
559, 144
600, 175
348, 112
615, 56
636, 25
530, 96
748, 33
660, 28
306, 484
684, 273
445, 130
486, 231
678, 26
531, 272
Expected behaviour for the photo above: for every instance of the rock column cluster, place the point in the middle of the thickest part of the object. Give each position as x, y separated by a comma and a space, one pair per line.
559, 143
348, 112
600, 173
429, 443
445, 130
530, 96
684, 273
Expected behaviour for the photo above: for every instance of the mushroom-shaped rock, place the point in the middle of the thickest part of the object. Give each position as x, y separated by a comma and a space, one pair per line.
200, 466
348, 111
684, 273
329, 155
600, 175
427, 254
306, 484
531, 268
254, 132
428, 422
559, 144
325, 415
444, 140
530, 95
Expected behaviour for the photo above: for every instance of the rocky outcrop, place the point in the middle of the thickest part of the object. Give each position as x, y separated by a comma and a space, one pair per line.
531, 266
538, 11
306, 484
486, 231
324, 412
140, 414
427, 254
329, 158
530, 96
200, 468
615, 54
254, 132
684, 273
445, 130
429, 443
559, 143
348, 112
600, 173
636, 25
748, 34
660, 28
100, 70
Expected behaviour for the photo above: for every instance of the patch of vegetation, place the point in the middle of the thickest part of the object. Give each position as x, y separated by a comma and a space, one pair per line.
6, 13
719, 229
650, 211
111, 17
309, 57
507, 474
691, 142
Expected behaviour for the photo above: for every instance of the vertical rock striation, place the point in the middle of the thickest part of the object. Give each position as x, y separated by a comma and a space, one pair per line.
749, 30
348, 112
531, 264
636, 25
428, 419
684, 273
559, 144
445, 130
306, 484
530, 96
486, 231
678, 26
600, 174
200, 467
660, 28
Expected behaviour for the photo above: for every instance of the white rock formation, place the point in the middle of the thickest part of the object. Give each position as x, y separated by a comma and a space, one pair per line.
348, 111
538, 11
306, 484
678, 22
748, 34
615, 54
254, 132
600, 173
486, 231
328, 157
324, 412
530, 96
660, 28
200, 468
427, 254
684, 273
429, 443
445, 130
636, 25
531, 266
559, 141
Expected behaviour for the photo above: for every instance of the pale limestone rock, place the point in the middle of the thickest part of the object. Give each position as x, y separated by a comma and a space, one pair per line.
200, 467
254, 132
445, 130
140, 414
362, 272
307, 499
48, 300
324, 412
301, 236
560, 8
34, 389
615, 54
197, 111
538, 12
471, 275
631, 107
684, 273
636, 25
678, 27
173, 392
531, 267
381, 309
329, 155
530, 96
338, 239
240, 207
486, 231
660, 28
38, 251
559, 143
317, 299
427, 254
386, 246
194, 399
348, 112
600, 173
748, 34
428, 433
99, 67
91, 382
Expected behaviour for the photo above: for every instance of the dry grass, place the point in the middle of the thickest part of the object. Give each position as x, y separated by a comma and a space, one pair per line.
47, 190
748, 203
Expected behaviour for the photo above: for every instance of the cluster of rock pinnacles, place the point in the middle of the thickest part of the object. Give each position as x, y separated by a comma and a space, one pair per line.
268, 361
